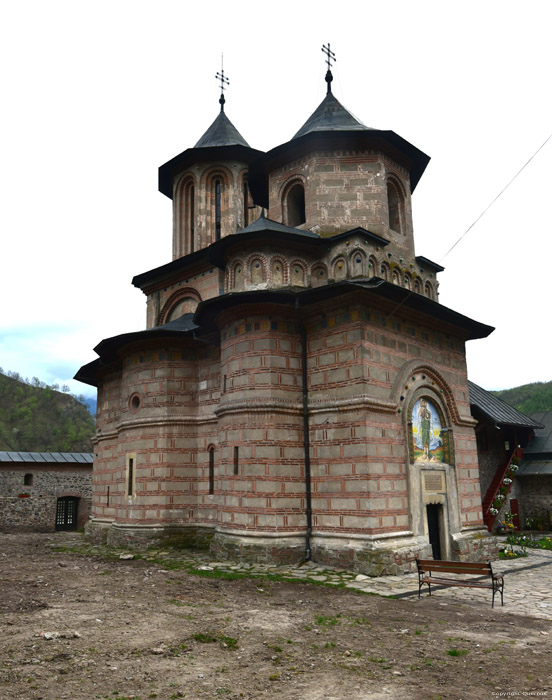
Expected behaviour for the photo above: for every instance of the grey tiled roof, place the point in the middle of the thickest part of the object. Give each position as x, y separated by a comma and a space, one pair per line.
48, 457
265, 224
534, 467
542, 444
497, 410
221, 133
331, 115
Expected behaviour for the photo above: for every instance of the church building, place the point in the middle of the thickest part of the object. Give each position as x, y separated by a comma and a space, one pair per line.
299, 391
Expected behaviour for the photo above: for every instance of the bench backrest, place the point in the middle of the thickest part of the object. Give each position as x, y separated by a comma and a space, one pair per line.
455, 567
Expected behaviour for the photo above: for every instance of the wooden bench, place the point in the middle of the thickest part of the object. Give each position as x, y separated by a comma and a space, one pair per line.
435, 572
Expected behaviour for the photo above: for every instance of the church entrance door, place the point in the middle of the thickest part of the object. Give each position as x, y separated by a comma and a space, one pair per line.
434, 516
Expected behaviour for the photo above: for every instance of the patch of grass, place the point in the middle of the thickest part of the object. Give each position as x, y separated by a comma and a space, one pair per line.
204, 637
329, 645
457, 652
210, 638
229, 642
361, 621
326, 620
274, 677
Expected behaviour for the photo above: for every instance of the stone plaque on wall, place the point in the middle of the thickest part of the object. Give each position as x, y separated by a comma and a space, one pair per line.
433, 482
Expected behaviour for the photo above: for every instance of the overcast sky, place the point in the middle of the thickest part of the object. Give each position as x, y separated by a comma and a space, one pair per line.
97, 95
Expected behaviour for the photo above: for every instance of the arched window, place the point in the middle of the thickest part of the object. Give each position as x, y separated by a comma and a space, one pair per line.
428, 290
395, 207
297, 274
372, 267
295, 205
396, 278
183, 301
357, 264
189, 214
277, 272
211, 470
185, 217
217, 192
237, 276
319, 275
256, 271
340, 269
245, 193
28, 480
417, 287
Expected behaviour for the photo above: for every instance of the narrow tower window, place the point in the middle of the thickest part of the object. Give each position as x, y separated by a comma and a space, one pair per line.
190, 217
211, 470
245, 204
394, 204
218, 191
131, 460
236, 460
296, 205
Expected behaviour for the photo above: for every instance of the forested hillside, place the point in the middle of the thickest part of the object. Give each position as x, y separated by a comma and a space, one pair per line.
528, 398
37, 418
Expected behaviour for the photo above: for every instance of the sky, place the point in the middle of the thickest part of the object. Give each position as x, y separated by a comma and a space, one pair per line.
97, 95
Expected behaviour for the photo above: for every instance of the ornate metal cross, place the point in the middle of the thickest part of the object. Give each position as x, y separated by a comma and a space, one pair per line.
223, 83
330, 55
223, 80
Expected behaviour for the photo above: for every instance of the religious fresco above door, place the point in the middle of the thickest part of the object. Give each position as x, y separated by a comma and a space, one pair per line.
428, 443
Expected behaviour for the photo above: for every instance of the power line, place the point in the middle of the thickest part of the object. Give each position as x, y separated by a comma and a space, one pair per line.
494, 200
476, 220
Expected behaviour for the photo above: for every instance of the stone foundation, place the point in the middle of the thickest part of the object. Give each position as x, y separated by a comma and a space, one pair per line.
386, 556
283, 549
141, 538
372, 557
474, 545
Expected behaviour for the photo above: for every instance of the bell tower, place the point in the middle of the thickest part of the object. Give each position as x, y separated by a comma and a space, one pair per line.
337, 174
209, 185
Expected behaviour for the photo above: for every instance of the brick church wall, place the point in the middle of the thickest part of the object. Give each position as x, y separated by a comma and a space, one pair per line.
159, 426
345, 189
261, 473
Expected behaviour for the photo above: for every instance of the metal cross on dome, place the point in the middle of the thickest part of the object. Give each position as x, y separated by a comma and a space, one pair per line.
330, 56
223, 83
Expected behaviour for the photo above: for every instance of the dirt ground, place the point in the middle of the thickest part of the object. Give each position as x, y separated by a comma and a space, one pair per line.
87, 626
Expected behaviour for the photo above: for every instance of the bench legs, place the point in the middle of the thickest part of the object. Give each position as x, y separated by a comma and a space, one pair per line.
498, 586
420, 584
